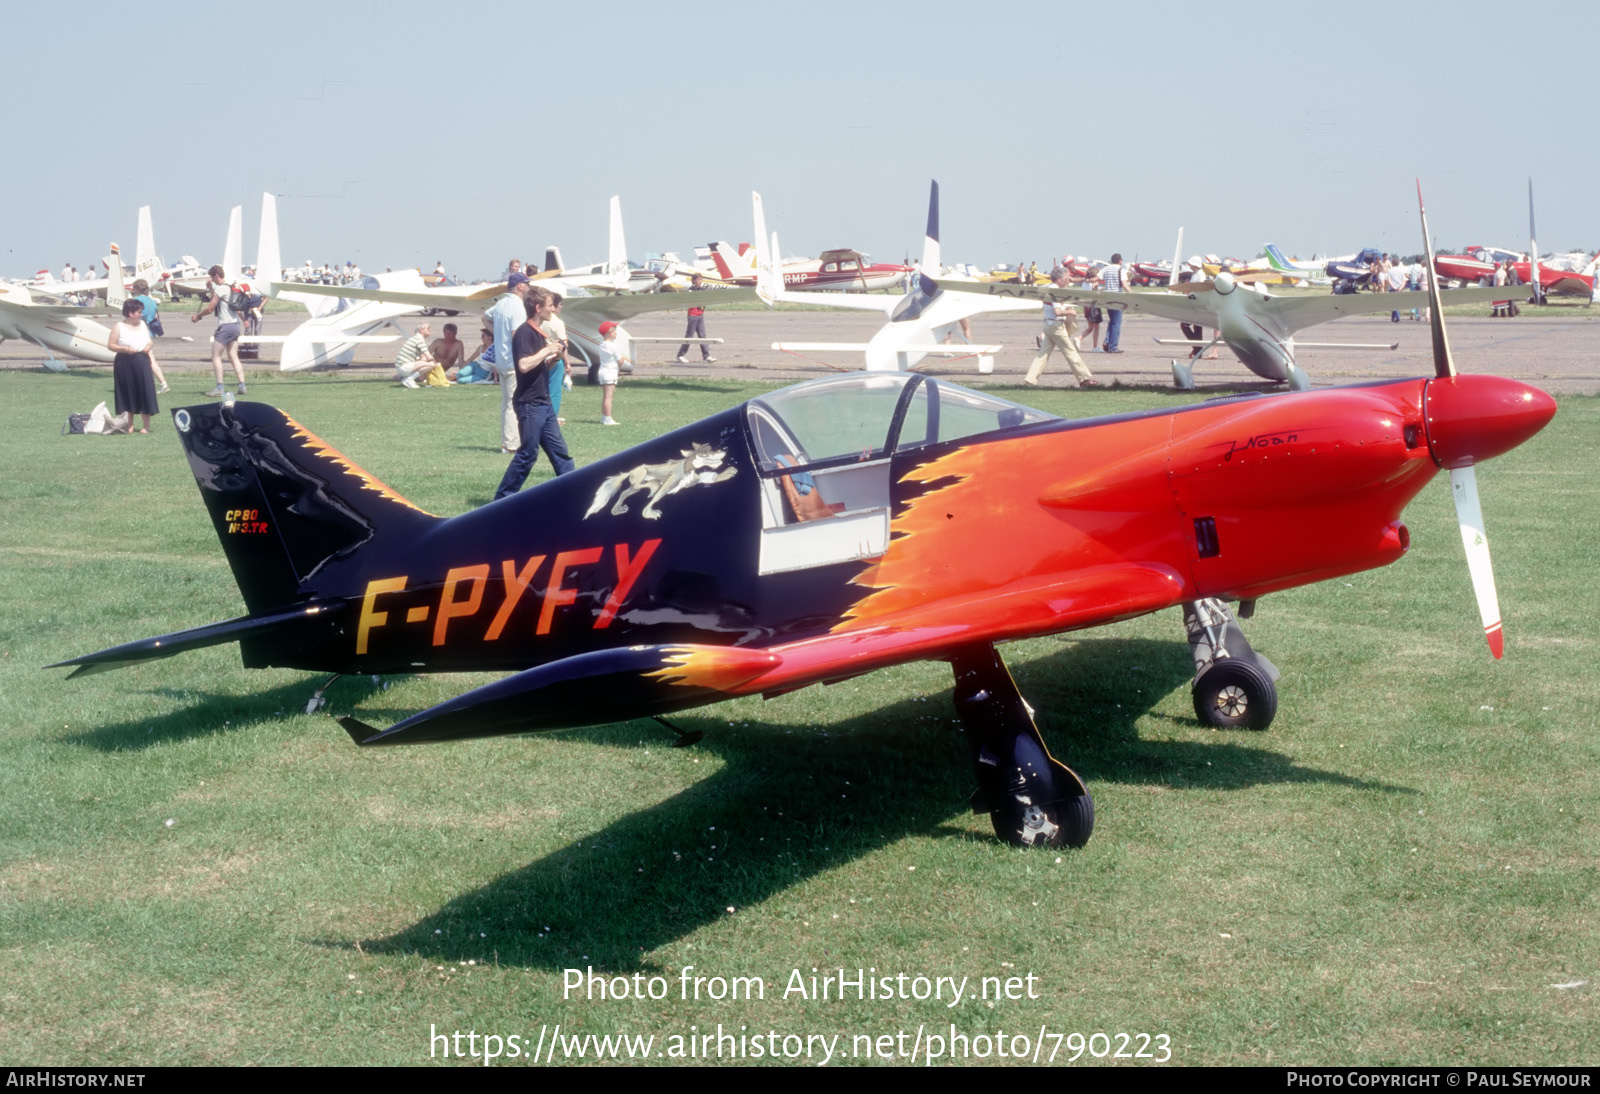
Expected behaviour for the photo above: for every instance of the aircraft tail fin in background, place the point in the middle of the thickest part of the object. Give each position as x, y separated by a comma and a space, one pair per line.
1282, 264
932, 263
552, 259
269, 258
769, 282
617, 247
146, 263
116, 288
732, 264
269, 265
283, 502
233, 247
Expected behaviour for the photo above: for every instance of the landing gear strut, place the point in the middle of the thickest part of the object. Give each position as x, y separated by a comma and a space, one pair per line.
1233, 684
1032, 798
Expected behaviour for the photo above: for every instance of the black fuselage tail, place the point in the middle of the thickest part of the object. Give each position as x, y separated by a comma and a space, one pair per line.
284, 503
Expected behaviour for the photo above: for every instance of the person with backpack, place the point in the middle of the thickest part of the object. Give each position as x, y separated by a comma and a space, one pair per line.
152, 319
221, 302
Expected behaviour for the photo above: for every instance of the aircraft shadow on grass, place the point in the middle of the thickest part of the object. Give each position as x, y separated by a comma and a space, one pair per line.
791, 803
210, 713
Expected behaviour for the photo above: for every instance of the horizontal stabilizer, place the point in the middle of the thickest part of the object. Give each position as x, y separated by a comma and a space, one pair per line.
908, 347
1347, 345
166, 645
589, 689
342, 339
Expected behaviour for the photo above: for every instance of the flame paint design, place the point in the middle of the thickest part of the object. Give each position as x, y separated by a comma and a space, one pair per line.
924, 547
719, 668
322, 448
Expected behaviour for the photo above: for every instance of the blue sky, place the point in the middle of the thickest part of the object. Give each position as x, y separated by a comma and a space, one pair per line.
406, 133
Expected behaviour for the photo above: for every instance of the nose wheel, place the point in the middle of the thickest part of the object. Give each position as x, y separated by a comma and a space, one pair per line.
1235, 695
1233, 684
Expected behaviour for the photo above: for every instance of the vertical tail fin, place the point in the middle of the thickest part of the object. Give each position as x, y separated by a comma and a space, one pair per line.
269, 266
1177, 258
769, 283
269, 259
146, 263
931, 259
733, 264
116, 290
617, 248
285, 505
233, 246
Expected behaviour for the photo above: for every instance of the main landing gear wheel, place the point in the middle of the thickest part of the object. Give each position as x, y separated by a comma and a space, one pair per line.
1033, 800
1235, 694
1067, 823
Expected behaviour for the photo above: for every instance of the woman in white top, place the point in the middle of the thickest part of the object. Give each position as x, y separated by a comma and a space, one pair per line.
131, 374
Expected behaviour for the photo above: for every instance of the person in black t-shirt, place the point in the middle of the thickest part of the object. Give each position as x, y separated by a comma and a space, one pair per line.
536, 418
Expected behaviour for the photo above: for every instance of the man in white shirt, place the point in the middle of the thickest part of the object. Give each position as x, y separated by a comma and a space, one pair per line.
507, 315
228, 330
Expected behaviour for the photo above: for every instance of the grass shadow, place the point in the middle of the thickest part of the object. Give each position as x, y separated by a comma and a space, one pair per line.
791, 803
216, 714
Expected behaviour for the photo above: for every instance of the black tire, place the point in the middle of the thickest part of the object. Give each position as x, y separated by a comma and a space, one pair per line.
1235, 694
1067, 823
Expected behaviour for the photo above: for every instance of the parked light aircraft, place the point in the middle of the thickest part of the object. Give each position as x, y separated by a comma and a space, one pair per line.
53, 326
583, 312
1256, 325
837, 270
915, 321
146, 265
1308, 272
1477, 263
1566, 275
829, 529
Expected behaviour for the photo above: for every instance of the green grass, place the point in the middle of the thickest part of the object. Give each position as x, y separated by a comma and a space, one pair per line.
1398, 871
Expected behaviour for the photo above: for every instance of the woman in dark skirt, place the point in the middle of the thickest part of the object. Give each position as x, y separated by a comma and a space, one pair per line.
132, 378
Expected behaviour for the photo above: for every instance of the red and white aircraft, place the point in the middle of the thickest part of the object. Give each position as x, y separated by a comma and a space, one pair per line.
841, 269
1569, 274
1478, 263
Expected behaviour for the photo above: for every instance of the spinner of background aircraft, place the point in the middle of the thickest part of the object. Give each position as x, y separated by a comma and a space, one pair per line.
833, 528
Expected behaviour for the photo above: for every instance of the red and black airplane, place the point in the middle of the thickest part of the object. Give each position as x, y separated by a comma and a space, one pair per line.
833, 528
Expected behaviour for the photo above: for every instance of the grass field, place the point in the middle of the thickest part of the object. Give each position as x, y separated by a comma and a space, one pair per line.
1402, 870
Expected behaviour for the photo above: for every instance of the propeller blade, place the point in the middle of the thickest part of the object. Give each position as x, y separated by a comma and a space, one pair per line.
1533, 249
1443, 366
1464, 488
